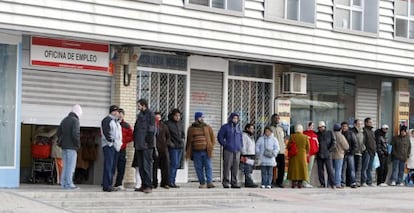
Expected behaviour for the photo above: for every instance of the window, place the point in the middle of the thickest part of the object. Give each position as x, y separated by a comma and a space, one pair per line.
357, 15
404, 18
230, 5
295, 10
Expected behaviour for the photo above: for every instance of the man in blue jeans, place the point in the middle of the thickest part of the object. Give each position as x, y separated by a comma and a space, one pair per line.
69, 139
200, 146
368, 154
176, 146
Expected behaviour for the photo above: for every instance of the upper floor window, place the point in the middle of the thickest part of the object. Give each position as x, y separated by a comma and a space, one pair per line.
358, 15
404, 18
296, 10
231, 5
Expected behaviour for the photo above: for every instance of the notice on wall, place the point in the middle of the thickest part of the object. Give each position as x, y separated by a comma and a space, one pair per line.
403, 108
69, 54
282, 108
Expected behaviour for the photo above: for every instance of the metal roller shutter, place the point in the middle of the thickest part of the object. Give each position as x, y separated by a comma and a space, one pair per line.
367, 104
207, 97
48, 96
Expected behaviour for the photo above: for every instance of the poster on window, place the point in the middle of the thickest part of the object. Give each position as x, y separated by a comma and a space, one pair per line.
403, 108
282, 108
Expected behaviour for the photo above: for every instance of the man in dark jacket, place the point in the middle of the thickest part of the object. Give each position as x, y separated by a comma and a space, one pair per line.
69, 140
369, 153
382, 151
144, 138
401, 149
176, 146
324, 157
348, 168
231, 138
161, 155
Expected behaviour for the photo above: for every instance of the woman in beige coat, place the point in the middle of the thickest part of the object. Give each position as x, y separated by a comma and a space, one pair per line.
298, 167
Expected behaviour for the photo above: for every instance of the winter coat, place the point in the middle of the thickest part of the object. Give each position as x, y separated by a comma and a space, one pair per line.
410, 160
351, 139
382, 144
69, 132
326, 144
279, 133
369, 140
126, 134
111, 132
249, 148
177, 134
401, 147
163, 139
360, 146
230, 135
313, 142
270, 143
144, 130
298, 167
200, 137
341, 146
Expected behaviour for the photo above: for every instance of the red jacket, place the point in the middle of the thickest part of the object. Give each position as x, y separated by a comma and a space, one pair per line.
126, 134
313, 142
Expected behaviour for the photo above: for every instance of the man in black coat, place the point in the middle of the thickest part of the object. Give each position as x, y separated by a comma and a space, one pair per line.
348, 168
382, 151
324, 157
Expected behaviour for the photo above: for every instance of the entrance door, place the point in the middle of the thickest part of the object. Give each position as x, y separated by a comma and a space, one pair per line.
9, 174
206, 96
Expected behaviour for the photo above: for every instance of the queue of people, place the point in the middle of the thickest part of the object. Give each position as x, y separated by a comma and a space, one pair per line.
342, 153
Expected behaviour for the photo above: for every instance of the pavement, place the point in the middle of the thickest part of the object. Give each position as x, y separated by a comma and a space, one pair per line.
188, 198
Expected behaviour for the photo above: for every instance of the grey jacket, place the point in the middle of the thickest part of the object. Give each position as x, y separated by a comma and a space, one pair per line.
69, 132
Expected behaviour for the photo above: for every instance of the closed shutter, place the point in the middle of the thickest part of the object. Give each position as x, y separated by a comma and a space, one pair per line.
48, 96
367, 104
207, 96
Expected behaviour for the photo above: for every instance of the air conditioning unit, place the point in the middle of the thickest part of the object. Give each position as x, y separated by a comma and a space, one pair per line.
294, 83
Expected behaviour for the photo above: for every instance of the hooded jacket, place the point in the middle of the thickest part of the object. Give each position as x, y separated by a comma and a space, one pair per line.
69, 132
230, 135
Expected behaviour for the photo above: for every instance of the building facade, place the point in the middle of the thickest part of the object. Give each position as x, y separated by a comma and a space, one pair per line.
331, 60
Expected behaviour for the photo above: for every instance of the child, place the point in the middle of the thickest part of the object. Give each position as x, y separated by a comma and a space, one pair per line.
267, 148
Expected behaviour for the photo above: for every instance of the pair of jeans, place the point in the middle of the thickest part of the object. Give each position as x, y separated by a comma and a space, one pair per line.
358, 166
108, 172
397, 171
175, 163
382, 170
267, 175
69, 157
120, 162
348, 170
202, 166
337, 164
366, 169
247, 171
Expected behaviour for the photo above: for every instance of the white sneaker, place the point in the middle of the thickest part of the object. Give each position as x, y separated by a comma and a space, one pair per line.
307, 185
402, 184
364, 185
263, 186
393, 183
268, 187
383, 185
121, 188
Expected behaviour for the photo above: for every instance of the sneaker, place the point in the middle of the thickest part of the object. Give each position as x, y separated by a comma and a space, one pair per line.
307, 185
268, 187
202, 186
354, 186
120, 188
393, 183
383, 185
263, 186
401, 184
226, 186
210, 185
364, 185
73, 188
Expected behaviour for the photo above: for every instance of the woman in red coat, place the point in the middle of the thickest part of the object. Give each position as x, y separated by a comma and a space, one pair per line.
314, 148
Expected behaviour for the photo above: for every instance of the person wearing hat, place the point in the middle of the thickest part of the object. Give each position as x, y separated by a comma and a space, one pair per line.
382, 151
199, 148
324, 157
69, 140
338, 153
111, 136
401, 150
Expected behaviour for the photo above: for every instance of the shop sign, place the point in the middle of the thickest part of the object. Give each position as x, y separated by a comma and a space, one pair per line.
403, 107
70, 54
283, 108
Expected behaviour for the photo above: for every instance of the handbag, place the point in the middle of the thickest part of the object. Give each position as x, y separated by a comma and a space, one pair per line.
267, 152
293, 149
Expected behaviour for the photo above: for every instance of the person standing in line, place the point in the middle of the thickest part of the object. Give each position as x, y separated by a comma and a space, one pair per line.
341, 146
401, 150
199, 148
324, 157
231, 139
369, 153
360, 148
248, 153
348, 167
144, 143
120, 157
176, 128
162, 160
298, 167
279, 133
314, 148
382, 152
267, 148
410, 160
111, 136
69, 140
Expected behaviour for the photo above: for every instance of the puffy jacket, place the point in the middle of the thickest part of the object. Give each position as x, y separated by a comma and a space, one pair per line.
126, 134
267, 142
326, 144
382, 144
401, 147
111, 131
177, 134
248, 148
69, 132
144, 130
230, 135
369, 140
313, 141
351, 139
